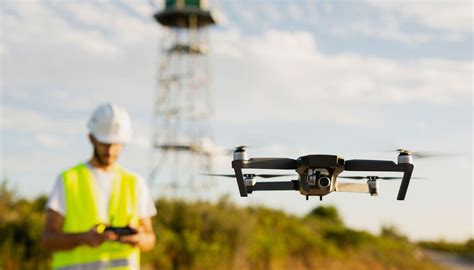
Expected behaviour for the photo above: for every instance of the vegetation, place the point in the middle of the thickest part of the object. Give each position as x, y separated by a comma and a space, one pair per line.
465, 249
203, 235
20, 230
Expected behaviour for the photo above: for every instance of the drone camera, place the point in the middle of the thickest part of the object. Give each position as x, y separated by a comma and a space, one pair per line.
319, 178
324, 182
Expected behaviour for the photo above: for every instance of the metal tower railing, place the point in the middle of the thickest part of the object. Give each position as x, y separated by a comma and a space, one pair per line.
183, 105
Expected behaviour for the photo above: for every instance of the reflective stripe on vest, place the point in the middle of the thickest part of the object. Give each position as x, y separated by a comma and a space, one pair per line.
82, 214
114, 264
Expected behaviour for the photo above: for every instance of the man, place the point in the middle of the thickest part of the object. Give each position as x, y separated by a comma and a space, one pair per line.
100, 193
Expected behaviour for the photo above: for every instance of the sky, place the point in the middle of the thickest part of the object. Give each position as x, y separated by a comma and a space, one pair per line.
352, 78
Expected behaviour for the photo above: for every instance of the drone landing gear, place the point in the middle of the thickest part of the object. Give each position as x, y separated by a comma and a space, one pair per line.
320, 197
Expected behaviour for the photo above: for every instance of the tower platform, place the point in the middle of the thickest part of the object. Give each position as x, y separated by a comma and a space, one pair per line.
185, 17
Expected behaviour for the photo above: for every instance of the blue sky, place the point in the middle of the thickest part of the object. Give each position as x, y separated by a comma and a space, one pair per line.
291, 77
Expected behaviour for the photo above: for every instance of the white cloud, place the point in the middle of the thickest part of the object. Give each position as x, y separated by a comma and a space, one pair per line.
454, 16
286, 70
51, 140
387, 28
56, 31
3, 49
141, 141
400, 21
41, 123
80, 57
277, 70
98, 28
24, 120
294, 10
225, 44
220, 17
244, 14
409, 22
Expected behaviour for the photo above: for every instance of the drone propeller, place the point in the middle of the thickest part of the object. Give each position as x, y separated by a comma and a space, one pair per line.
250, 175
221, 175
376, 177
422, 154
241, 147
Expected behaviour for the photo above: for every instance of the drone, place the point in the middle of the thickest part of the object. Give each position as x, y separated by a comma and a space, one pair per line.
319, 174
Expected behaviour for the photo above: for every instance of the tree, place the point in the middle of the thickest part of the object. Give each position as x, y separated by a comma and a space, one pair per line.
328, 213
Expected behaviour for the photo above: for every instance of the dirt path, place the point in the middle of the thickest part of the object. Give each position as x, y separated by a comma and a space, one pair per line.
449, 260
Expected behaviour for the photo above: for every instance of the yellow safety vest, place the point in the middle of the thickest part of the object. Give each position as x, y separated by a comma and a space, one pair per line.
82, 215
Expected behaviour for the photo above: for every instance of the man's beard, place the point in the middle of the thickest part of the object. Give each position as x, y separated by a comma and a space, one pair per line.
99, 158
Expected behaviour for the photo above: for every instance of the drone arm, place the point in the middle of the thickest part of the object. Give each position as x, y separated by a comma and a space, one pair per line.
269, 163
288, 185
240, 180
383, 166
405, 181
259, 163
372, 165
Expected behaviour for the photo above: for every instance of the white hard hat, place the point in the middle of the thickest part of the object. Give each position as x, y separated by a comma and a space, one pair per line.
110, 123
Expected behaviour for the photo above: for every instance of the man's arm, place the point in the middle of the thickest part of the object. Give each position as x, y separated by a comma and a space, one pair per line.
144, 239
54, 239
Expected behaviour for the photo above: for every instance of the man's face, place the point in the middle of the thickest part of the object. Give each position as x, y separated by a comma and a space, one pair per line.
105, 153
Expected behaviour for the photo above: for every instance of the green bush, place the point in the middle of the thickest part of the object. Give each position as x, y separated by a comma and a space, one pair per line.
328, 213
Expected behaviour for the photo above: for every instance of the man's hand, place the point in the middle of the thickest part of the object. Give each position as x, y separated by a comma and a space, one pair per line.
54, 239
144, 238
133, 239
94, 238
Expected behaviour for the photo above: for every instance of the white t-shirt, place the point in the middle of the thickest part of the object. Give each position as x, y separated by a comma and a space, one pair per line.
103, 181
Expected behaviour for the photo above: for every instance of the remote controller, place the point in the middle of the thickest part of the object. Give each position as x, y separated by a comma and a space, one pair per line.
121, 231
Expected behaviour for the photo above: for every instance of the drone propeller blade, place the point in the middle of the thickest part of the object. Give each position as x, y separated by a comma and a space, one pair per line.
272, 175
371, 177
376, 177
353, 177
249, 175
397, 178
271, 163
239, 148
425, 154
222, 175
